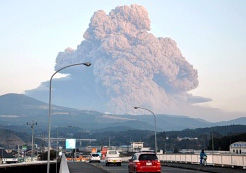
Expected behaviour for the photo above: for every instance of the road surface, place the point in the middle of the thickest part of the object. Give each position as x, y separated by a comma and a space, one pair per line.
80, 167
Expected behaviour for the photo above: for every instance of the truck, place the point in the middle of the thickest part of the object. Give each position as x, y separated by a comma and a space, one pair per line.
113, 158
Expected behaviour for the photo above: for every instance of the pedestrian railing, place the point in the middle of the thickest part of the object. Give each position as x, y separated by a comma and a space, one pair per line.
212, 159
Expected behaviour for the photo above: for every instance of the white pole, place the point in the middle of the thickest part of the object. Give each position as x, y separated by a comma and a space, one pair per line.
32, 141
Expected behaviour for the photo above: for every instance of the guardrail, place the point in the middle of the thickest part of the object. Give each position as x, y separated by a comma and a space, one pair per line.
63, 165
212, 159
125, 159
27, 167
25, 164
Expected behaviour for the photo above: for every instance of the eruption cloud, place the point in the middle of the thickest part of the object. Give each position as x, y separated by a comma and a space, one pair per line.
131, 67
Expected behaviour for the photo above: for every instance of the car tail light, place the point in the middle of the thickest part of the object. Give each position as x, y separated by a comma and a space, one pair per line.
137, 163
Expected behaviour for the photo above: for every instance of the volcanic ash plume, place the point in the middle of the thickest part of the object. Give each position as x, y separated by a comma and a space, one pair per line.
130, 65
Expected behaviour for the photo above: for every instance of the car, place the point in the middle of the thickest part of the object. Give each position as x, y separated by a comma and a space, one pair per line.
94, 157
113, 158
144, 162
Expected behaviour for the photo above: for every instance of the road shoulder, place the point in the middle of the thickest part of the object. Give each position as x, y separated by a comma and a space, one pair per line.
212, 169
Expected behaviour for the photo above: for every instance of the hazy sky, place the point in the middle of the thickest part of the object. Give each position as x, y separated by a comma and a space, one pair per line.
210, 34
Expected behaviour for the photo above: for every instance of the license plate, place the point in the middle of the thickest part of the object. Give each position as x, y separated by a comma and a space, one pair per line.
114, 161
148, 164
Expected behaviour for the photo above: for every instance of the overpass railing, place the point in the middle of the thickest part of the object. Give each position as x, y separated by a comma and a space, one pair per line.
212, 159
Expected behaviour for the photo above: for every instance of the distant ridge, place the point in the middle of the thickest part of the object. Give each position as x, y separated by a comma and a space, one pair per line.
17, 109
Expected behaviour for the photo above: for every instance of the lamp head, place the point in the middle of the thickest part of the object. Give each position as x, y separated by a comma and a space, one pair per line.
87, 64
135, 107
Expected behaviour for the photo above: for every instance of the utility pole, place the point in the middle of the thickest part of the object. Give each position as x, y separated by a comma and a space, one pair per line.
18, 153
212, 141
2, 154
32, 125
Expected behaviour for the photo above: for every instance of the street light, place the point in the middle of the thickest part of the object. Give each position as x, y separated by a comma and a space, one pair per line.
87, 64
136, 107
32, 125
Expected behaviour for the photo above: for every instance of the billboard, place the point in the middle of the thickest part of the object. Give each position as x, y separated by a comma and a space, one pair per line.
70, 143
93, 150
104, 152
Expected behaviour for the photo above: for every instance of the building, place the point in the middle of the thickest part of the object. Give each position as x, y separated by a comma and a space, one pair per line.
124, 148
238, 147
136, 146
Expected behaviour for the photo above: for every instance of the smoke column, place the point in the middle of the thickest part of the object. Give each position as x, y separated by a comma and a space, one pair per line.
131, 67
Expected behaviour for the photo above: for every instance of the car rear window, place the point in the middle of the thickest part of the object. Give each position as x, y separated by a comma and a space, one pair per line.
95, 155
148, 157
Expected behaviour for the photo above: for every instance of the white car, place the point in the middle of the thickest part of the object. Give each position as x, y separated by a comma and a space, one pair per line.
113, 158
94, 157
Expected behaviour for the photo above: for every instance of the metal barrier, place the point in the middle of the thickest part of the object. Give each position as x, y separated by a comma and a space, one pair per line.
63, 165
125, 159
212, 159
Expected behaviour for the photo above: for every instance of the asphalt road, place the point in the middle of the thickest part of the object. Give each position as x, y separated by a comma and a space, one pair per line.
80, 167
124, 169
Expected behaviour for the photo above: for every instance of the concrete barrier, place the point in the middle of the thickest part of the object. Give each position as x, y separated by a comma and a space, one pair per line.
212, 159
63, 165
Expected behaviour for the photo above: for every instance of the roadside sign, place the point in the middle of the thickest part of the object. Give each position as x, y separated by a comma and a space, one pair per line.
93, 150
24, 147
70, 143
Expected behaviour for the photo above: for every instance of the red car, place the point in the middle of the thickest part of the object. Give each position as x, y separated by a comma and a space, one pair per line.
144, 162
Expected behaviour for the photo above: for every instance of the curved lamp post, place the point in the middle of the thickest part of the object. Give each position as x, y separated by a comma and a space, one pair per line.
49, 120
155, 123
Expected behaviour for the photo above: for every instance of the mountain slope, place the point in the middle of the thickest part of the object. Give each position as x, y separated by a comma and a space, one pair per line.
17, 109
241, 120
18, 103
10, 138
